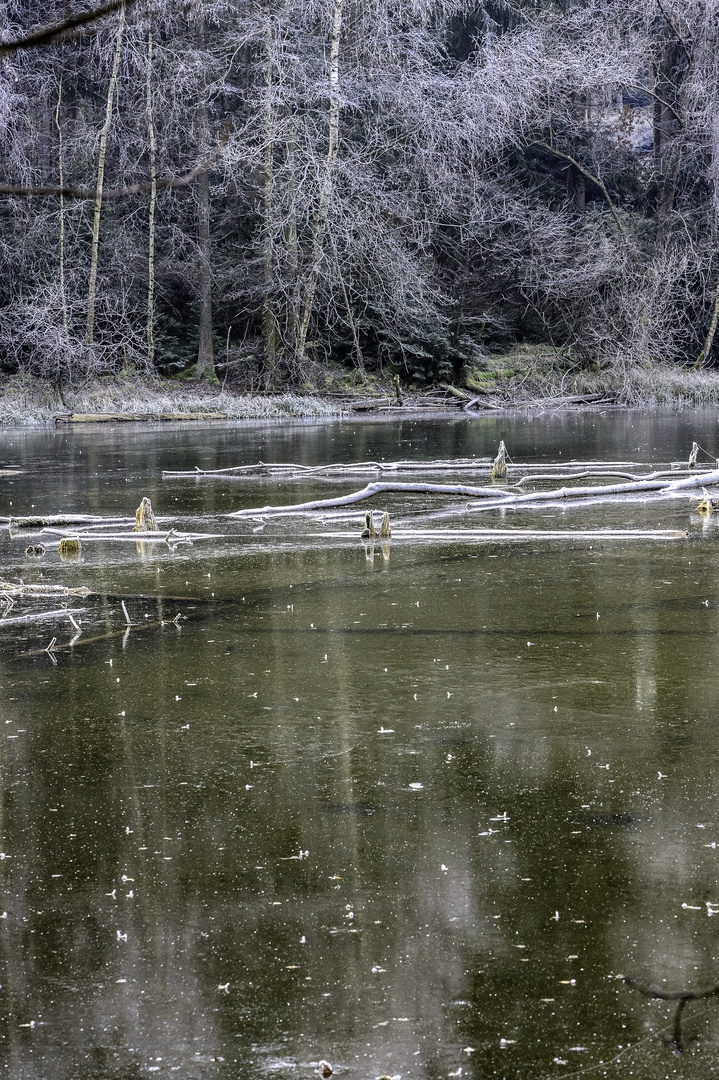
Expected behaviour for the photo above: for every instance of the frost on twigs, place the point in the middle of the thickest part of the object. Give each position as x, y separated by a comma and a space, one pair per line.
145, 520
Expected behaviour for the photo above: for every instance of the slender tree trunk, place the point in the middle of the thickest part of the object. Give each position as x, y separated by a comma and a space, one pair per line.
359, 359
319, 227
291, 244
709, 341
269, 320
153, 199
205, 353
92, 287
58, 125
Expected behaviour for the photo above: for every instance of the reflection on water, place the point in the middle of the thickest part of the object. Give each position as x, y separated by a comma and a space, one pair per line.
414, 812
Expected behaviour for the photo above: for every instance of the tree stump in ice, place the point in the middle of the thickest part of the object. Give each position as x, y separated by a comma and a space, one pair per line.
499, 466
145, 520
70, 546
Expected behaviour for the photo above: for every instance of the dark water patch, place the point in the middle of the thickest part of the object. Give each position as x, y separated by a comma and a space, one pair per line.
300, 824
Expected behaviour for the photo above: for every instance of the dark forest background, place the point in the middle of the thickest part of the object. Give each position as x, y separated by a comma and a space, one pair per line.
277, 187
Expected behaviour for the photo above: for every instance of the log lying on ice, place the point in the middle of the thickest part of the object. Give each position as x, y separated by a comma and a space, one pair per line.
128, 418
64, 519
482, 465
491, 498
538, 477
12, 588
657, 482
171, 537
341, 468
469, 535
378, 488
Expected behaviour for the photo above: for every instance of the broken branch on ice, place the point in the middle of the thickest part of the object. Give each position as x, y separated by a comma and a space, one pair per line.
377, 488
517, 534
11, 588
657, 482
492, 498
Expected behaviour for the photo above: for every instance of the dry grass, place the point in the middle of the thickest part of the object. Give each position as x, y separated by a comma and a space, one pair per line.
632, 386
23, 401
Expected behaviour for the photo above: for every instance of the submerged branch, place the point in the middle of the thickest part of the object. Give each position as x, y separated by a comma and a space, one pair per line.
39, 615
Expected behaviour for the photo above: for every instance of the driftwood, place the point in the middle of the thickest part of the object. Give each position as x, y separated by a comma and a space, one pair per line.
11, 588
493, 499
281, 468
655, 482
378, 488
271, 469
516, 534
63, 519
593, 473
126, 418
171, 537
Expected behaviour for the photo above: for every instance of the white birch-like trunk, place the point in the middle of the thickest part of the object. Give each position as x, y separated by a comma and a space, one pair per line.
269, 321
319, 227
205, 352
92, 286
153, 199
58, 125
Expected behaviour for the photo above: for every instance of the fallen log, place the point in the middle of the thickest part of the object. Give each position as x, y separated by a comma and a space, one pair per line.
125, 418
655, 482
62, 519
11, 588
281, 468
377, 488
520, 534
492, 499
172, 537
590, 472
482, 402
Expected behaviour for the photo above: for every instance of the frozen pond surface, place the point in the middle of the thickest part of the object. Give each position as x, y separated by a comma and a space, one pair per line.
412, 815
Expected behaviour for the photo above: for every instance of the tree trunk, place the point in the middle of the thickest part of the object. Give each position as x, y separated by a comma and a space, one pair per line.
291, 244
153, 199
576, 189
205, 353
92, 286
269, 320
320, 223
63, 296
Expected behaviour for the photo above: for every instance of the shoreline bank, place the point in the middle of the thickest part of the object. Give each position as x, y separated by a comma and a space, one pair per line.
25, 402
